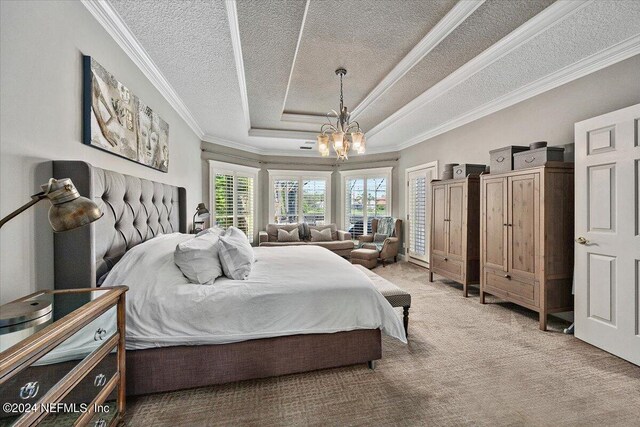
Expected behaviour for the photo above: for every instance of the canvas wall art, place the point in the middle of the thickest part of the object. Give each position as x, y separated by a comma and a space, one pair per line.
116, 120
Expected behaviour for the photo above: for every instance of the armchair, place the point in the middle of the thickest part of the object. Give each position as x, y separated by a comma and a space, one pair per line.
387, 249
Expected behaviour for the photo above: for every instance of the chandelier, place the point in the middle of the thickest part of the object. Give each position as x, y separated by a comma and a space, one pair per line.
345, 135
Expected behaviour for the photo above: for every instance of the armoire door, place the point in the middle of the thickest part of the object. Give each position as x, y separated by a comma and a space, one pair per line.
607, 232
494, 223
455, 219
439, 212
523, 224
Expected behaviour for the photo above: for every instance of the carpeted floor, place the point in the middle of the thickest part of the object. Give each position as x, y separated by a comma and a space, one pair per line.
466, 364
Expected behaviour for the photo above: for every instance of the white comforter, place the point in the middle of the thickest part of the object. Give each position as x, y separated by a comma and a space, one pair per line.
291, 290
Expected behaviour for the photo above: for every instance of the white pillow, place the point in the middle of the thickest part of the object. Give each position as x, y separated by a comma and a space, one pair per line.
288, 236
198, 259
217, 230
236, 254
321, 236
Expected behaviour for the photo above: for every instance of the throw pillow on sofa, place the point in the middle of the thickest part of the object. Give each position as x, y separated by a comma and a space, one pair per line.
321, 236
288, 236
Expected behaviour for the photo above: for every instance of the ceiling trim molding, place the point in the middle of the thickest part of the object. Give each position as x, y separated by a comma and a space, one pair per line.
550, 16
591, 64
456, 16
295, 56
234, 28
232, 144
304, 118
106, 16
282, 133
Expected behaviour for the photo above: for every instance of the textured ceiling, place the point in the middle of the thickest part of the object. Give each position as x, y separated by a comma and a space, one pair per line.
245, 62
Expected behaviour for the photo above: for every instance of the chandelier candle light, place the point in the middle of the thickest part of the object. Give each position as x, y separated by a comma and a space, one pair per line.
345, 135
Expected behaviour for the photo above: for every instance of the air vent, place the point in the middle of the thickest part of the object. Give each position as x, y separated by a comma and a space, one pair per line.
309, 142
305, 148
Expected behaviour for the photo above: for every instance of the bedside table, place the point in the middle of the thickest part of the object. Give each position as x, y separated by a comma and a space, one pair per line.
62, 359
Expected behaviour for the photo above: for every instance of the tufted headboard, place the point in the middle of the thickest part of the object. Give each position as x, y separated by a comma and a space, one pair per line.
135, 210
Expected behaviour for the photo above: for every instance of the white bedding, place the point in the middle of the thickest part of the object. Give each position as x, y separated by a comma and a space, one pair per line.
291, 290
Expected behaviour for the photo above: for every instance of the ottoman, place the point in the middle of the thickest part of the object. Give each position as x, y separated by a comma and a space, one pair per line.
396, 296
365, 257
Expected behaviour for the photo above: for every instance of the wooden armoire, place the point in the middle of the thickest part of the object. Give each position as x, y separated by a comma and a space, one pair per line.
526, 238
455, 230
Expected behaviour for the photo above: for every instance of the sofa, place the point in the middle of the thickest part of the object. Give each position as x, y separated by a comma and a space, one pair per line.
340, 242
388, 248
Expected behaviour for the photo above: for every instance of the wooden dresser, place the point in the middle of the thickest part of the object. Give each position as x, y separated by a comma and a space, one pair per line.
63, 359
455, 230
526, 238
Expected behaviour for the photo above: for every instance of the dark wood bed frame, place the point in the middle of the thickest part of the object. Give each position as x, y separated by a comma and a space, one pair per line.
137, 210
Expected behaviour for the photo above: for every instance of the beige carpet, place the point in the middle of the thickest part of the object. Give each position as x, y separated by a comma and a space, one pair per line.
466, 364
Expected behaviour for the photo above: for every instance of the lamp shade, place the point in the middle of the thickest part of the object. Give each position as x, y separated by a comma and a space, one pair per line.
202, 212
69, 209
323, 143
338, 140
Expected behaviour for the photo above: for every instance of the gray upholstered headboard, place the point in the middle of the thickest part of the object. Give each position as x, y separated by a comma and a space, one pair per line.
135, 210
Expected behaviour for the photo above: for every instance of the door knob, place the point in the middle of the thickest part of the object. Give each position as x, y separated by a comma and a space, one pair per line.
506, 276
582, 241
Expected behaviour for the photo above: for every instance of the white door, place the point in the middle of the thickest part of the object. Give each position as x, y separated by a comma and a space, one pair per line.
418, 211
607, 252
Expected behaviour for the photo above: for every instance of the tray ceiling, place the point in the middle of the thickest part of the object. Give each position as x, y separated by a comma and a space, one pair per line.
259, 75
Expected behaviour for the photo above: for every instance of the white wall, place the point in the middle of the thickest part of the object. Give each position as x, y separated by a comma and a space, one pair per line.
547, 117
42, 43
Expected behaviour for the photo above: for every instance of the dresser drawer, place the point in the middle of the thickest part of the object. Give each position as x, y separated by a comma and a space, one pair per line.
30, 384
505, 286
447, 267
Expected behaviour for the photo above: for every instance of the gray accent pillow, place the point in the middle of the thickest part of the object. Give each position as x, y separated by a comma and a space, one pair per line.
288, 236
303, 231
321, 236
379, 238
236, 254
198, 259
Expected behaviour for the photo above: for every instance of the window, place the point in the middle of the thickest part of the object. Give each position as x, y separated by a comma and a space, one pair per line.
366, 195
233, 196
300, 196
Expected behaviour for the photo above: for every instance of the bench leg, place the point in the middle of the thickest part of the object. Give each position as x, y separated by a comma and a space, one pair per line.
371, 364
405, 319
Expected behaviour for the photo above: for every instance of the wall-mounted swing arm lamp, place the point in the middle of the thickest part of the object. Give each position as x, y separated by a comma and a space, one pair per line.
201, 214
68, 210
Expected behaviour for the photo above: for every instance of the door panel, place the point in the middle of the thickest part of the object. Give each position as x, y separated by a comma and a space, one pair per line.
455, 219
524, 214
494, 220
439, 211
419, 214
607, 270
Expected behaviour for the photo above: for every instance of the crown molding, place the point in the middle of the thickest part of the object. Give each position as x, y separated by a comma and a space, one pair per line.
295, 56
456, 16
591, 64
234, 28
283, 133
232, 144
106, 16
550, 16
304, 118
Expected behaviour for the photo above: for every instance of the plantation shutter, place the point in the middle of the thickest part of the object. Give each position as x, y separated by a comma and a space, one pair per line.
244, 205
285, 201
224, 196
314, 193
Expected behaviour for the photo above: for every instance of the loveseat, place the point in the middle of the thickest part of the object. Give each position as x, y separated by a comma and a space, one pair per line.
340, 242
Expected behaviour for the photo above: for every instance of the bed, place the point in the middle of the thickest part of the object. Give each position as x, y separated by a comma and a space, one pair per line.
170, 347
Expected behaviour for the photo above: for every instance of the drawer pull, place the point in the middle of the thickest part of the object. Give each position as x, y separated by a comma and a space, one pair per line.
29, 390
100, 423
458, 171
500, 159
100, 380
530, 159
99, 335
506, 276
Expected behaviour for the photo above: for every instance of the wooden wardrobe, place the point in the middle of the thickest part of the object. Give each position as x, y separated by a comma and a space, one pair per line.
455, 230
526, 238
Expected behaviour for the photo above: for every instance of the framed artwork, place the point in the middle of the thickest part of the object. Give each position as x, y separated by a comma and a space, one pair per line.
117, 121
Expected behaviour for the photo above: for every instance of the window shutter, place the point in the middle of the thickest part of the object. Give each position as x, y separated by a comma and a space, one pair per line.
314, 193
224, 199
354, 206
244, 205
285, 201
